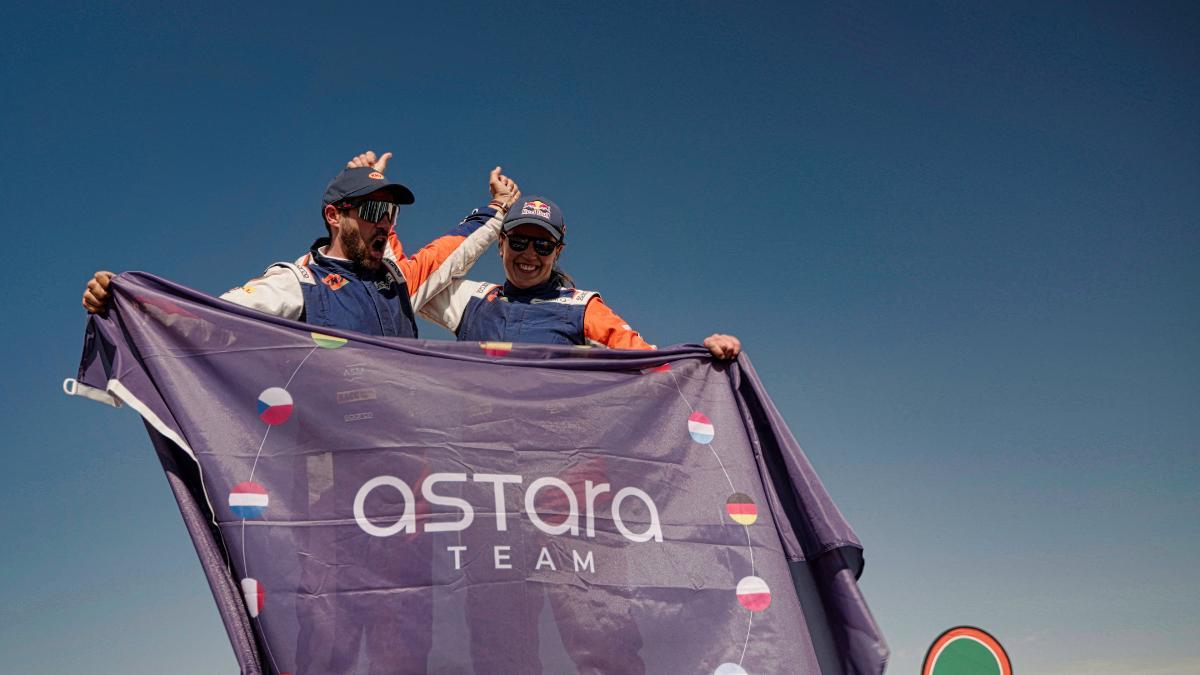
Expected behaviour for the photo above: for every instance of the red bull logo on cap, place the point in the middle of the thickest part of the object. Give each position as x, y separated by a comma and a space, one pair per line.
537, 208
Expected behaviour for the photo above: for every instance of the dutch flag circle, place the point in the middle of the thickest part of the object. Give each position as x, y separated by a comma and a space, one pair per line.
248, 500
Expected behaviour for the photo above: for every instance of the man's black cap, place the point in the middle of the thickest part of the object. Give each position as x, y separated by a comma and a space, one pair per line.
362, 181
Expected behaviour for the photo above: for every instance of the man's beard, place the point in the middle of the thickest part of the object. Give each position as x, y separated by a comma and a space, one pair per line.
356, 249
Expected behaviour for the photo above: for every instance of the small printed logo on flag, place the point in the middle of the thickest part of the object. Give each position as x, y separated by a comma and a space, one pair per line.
701, 428
741, 508
254, 594
753, 593
248, 500
274, 405
536, 208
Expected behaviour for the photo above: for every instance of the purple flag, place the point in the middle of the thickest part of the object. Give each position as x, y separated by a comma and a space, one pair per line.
364, 504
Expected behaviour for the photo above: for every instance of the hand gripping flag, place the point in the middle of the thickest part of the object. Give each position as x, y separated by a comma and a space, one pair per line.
387, 505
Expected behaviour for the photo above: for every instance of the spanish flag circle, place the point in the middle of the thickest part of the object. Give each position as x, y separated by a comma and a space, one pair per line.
496, 348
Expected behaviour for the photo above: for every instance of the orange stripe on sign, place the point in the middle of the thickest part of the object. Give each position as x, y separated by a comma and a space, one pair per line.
972, 633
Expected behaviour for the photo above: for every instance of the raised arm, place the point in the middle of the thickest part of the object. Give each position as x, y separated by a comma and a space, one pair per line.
431, 269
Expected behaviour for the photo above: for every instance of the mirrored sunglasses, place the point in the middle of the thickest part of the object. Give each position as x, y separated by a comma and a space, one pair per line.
375, 211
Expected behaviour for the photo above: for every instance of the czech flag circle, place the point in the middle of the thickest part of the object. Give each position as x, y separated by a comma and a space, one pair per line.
248, 500
741, 508
274, 405
753, 593
700, 427
254, 594
729, 669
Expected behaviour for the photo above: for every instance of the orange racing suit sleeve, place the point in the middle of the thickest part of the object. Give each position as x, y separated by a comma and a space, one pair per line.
602, 326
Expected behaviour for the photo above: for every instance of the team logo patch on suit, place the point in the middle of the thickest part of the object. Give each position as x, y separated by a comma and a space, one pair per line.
335, 281
536, 208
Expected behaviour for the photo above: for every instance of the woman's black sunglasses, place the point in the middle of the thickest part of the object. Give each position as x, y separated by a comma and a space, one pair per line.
542, 247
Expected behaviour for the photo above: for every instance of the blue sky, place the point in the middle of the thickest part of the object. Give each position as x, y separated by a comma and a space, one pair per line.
959, 242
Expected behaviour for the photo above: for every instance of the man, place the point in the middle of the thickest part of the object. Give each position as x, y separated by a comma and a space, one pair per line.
358, 278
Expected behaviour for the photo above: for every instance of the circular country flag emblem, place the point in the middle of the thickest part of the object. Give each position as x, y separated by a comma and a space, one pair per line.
700, 427
753, 593
248, 500
327, 341
729, 669
741, 508
274, 405
496, 348
966, 650
254, 594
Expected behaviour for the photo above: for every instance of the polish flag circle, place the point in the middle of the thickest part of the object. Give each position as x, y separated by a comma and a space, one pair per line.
753, 594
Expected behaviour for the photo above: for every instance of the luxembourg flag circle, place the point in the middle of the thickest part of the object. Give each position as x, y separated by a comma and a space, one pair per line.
274, 405
248, 500
753, 593
700, 427
254, 594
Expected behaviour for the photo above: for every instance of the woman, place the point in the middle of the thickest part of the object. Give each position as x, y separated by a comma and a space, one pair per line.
538, 302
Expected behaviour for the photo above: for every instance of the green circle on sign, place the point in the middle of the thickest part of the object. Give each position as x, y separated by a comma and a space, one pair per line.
964, 656
328, 341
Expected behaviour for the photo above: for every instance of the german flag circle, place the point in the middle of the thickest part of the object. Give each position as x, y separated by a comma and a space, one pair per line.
741, 508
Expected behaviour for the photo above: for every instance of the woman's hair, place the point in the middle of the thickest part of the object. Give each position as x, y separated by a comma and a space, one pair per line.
561, 278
